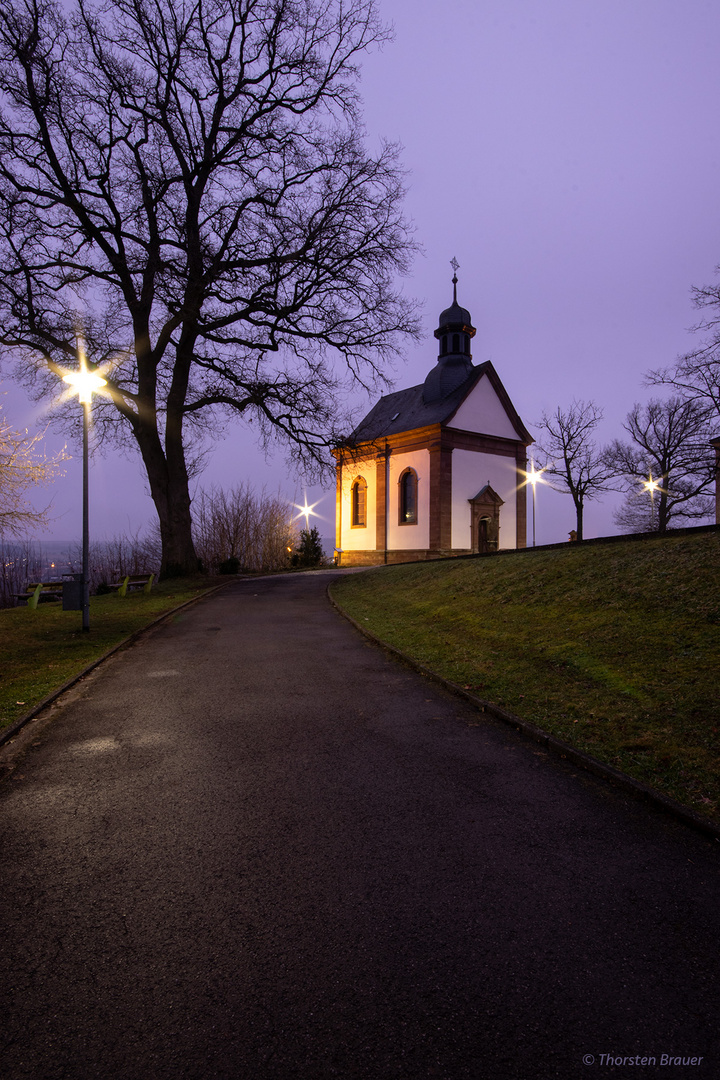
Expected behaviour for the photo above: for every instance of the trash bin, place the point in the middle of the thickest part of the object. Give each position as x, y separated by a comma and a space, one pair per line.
72, 593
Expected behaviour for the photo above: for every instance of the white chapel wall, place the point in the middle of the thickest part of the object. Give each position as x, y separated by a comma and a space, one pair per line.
358, 539
409, 537
471, 471
482, 411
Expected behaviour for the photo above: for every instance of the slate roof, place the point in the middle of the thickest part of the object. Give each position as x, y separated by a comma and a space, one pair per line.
406, 410
454, 316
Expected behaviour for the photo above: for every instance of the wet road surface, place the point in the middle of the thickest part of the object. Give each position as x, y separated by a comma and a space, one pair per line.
254, 847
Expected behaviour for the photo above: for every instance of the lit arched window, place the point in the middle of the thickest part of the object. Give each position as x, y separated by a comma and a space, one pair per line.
359, 503
408, 497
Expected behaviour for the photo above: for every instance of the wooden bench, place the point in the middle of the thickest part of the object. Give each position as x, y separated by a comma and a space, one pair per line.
134, 581
38, 591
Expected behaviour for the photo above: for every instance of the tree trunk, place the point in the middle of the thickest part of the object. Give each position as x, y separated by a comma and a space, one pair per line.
170, 491
663, 515
579, 519
178, 550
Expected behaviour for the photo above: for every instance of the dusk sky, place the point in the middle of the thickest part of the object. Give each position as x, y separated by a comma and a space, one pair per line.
567, 153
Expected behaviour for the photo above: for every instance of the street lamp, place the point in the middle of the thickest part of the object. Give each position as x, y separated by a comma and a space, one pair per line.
306, 511
652, 486
534, 478
83, 383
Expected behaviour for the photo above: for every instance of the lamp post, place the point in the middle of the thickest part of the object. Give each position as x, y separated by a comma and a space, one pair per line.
83, 383
533, 478
652, 486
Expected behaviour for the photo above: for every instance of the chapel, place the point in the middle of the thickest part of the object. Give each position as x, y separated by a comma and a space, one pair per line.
437, 470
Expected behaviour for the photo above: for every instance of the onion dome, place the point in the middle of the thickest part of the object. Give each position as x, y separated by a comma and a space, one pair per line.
454, 364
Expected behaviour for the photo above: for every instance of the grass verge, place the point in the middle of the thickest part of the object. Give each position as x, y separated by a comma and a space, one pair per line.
41, 650
613, 649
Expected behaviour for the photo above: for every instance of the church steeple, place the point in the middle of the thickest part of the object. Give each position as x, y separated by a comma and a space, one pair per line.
454, 363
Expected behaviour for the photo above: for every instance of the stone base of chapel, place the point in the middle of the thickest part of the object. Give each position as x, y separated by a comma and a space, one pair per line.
380, 558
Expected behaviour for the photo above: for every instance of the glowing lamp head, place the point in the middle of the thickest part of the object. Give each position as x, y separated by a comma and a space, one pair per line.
534, 476
84, 384
306, 511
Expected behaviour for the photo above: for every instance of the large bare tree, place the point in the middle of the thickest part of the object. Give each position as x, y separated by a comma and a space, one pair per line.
667, 465
190, 178
568, 452
696, 375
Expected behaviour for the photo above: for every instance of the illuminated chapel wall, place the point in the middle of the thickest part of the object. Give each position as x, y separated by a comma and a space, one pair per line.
358, 538
483, 411
471, 471
409, 537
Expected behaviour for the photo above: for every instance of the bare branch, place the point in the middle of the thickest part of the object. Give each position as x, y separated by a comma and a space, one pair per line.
669, 446
22, 468
696, 375
193, 180
570, 455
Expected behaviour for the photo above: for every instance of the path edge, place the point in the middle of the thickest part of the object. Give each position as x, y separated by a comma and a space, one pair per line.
554, 745
9, 733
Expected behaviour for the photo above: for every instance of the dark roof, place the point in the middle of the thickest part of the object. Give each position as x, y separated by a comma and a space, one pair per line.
454, 317
406, 410
449, 373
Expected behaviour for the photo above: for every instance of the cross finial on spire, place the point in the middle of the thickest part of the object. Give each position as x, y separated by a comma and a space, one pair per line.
455, 264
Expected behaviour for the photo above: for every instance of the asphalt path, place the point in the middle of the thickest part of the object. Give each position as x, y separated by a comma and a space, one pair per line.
253, 846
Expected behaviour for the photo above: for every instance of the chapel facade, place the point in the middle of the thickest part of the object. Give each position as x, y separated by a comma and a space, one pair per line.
437, 470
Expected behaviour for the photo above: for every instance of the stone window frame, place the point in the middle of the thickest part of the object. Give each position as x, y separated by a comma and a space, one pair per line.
402, 518
358, 485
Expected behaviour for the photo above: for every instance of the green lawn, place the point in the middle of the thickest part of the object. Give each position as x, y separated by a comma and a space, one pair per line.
613, 648
40, 650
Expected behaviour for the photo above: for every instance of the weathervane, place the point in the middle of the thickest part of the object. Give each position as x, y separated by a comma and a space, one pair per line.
455, 264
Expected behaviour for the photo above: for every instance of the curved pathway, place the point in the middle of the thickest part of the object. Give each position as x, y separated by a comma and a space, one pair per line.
254, 847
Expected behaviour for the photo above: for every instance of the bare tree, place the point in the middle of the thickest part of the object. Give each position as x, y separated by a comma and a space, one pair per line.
667, 466
569, 453
696, 375
22, 468
242, 528
193, 177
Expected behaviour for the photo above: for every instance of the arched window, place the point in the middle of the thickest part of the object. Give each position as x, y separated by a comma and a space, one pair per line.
408, 484
456, 343
443, 347
359, 503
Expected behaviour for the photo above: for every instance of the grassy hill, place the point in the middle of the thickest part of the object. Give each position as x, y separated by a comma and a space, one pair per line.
614, 648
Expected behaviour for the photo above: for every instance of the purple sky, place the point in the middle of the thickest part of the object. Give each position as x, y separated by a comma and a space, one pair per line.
567, 152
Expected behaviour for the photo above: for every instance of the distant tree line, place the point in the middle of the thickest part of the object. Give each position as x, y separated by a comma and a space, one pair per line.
235, 531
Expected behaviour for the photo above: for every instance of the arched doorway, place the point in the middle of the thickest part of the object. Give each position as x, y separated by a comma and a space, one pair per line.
484, 537
485, 520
